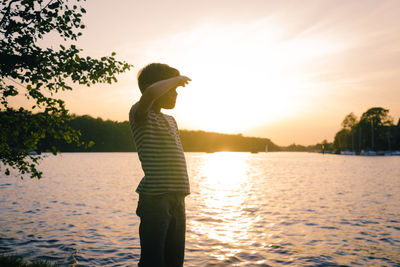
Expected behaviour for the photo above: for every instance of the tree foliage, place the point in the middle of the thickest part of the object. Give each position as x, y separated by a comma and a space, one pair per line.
375, 130
200, 141
349, 121
38, 73
111, 136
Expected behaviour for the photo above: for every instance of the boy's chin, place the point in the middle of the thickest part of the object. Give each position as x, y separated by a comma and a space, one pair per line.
169, 106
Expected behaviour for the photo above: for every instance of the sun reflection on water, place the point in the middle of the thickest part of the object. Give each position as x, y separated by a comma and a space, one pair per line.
265, 209
223, 187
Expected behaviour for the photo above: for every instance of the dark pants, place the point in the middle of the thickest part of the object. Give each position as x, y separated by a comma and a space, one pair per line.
162, 230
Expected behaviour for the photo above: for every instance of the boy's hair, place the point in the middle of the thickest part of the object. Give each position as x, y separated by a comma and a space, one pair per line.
155, 72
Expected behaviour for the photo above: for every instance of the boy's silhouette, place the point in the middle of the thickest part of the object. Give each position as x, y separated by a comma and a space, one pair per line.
165, 184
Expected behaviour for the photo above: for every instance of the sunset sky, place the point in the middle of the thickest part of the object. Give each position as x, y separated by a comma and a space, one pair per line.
286, 70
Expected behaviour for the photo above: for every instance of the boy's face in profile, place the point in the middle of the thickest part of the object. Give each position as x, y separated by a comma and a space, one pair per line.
168, 100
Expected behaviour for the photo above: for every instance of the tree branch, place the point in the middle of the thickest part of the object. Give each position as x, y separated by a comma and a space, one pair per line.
8, 11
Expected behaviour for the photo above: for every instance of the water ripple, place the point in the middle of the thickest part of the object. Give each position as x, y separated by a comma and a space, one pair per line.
275, 209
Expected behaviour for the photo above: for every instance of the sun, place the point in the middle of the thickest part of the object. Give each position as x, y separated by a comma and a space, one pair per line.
243, 76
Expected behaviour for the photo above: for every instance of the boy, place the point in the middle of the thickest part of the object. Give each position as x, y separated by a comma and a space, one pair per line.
162, 190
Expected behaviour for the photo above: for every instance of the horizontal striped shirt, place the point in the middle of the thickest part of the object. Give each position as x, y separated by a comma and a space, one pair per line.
160, 153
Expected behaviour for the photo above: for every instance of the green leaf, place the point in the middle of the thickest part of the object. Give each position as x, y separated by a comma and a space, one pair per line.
91, 143
48, 68
54, 5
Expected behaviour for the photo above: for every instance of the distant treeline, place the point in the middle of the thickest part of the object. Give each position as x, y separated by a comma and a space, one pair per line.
374, 130
99, 135
319, 147
212, 142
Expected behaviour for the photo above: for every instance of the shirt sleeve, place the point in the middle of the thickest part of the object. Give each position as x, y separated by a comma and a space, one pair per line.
132, 116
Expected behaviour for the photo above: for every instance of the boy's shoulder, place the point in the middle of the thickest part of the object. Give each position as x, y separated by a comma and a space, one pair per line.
151, 114
132, 111
134, 108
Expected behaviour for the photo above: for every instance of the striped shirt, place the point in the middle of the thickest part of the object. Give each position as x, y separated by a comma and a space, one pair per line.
160, 153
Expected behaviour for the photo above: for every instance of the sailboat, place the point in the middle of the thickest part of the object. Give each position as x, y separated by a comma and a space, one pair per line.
370, 152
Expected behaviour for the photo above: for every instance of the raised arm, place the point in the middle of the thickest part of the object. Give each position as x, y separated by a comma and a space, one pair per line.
154, 91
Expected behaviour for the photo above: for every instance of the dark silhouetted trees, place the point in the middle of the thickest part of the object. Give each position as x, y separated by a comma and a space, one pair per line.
211, 142
38, 73
374, 131
110, 136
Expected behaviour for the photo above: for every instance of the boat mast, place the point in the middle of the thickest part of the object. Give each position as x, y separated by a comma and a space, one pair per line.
359, 138
372, 135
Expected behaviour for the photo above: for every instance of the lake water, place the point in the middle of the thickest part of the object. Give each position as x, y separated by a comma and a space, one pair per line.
266, 209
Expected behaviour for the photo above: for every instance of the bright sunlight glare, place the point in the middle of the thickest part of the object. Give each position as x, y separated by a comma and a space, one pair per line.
244, 75
226, 174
